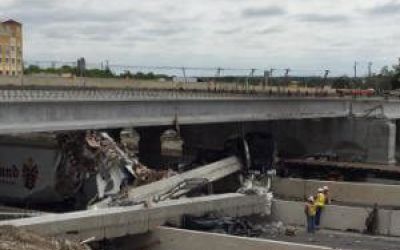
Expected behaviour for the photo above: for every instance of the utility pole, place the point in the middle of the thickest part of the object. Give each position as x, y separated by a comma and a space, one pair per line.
369, 69
326, 74
355, 69
218, 74
184, 75
266, 78
287, 76
252, 71
271, 71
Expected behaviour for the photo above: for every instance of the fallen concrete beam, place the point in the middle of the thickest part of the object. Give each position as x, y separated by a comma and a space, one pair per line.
344, 192
337, 217
121, 221
164, 238
211, 172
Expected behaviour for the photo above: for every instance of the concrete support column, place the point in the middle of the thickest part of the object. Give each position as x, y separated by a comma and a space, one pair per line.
381, 142
150, 146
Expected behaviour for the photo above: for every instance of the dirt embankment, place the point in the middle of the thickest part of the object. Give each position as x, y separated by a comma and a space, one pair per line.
12, 238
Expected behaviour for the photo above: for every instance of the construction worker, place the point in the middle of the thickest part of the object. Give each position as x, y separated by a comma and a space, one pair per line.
310, 211
327, 197
319, 204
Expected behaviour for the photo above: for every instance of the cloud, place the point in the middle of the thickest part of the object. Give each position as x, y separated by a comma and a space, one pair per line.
389, 8
319, 18
263, 12
164, 31
271, 30
209, 33
229, 31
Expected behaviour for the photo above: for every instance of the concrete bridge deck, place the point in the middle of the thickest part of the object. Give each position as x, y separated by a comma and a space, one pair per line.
54, 110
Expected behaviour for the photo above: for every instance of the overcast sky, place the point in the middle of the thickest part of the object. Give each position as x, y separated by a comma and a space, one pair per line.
305, 35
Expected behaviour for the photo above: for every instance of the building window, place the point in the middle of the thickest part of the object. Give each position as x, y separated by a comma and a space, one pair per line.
13, 73
7, 60
7, 72
13, 60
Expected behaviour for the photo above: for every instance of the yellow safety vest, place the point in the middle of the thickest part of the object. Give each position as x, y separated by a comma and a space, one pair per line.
311, 209
320, 200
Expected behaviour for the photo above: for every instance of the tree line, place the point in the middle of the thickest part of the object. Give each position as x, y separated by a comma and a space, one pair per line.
387, 79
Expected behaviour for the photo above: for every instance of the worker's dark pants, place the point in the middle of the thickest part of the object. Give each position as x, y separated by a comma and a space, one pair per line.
311, 224
318, 216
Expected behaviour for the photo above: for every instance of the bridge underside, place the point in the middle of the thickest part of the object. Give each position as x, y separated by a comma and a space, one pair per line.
25, 111
51, 110
54, 116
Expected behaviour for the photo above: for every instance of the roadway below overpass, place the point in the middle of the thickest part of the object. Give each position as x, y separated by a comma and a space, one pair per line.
23, 111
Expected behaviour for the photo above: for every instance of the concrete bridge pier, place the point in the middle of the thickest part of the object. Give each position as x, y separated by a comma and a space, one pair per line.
150, 145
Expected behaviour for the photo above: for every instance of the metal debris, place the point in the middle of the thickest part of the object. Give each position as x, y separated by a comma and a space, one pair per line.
227, 225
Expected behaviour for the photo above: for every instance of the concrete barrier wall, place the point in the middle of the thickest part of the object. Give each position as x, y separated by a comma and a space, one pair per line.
38, 80
120, 221
178, 239
338, 217
346, 192
52, 80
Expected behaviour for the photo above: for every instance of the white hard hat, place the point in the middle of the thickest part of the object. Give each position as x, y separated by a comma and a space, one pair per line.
326, 188
320, 190
311, 198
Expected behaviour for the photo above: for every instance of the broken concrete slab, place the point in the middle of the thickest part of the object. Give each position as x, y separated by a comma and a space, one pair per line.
345, 192
121, 221
210, 172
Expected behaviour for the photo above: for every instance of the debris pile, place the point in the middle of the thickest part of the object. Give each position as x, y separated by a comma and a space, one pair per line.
144, 175
97, 171
258, 185
175, 186
12, 238
94, 154
275, 229
216, 224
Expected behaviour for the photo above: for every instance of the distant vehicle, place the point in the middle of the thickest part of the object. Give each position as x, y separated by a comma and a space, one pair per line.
355, 92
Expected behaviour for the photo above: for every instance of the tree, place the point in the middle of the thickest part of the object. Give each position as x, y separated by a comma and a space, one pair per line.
396, 77
32, 69
343, 82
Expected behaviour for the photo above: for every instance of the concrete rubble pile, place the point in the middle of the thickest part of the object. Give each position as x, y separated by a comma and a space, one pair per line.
92, 153
120, 178
12, 238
